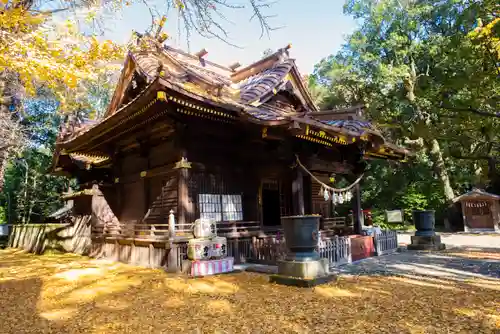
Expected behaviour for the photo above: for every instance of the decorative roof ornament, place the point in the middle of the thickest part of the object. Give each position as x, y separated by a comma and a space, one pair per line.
183, 163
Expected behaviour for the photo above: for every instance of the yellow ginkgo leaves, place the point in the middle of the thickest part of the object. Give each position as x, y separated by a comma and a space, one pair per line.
488, 36
45, 51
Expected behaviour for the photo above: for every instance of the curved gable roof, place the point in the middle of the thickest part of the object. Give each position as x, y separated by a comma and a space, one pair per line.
257, 86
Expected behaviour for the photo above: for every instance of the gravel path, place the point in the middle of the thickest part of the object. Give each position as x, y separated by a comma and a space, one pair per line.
461, 240
457, 265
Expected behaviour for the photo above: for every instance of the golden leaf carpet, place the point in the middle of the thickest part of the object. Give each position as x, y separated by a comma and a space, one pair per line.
74, 294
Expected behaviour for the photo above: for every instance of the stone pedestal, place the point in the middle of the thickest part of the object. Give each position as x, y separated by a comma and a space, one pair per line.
303, 273
302, 266
426, 243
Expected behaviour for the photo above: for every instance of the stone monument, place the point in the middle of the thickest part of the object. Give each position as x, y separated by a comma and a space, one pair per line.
302, 265
425, 237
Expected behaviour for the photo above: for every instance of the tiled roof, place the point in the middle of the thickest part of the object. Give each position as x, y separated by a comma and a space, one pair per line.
256, 86
351, 125
247, 92
476, 193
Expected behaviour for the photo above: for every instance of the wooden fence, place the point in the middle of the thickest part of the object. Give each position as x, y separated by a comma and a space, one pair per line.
151, 249
386, 242
269, 250
37, 238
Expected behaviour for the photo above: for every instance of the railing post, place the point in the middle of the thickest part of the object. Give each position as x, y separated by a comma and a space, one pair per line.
172, 265
348, 248
171, 224
337, 249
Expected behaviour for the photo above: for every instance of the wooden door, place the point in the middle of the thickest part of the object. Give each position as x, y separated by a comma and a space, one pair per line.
478, 214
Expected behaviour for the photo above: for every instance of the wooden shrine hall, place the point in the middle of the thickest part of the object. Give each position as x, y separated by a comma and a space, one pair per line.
184, 137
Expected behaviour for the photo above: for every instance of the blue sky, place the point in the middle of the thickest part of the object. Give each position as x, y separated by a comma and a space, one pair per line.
316, 29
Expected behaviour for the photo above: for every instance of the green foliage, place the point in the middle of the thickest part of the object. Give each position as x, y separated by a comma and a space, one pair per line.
421, 76
29, 192
3, 218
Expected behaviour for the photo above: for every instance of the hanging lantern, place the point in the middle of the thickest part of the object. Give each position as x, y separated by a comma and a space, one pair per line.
326, 195
341, 198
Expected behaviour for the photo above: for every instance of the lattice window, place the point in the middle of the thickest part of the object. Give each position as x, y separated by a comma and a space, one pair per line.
220, 207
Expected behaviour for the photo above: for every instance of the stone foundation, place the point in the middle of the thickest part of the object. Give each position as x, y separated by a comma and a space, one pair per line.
301, 282
426, 243
303, 273
306, 269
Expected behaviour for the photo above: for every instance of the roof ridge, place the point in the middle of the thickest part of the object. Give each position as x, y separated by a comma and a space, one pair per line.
184, 53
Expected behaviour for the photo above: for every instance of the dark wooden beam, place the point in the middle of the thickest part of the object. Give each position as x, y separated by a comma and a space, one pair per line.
357, 109
357, 214
298, 193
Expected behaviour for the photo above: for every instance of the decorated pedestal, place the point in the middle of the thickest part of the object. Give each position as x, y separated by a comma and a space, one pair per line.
207, 251
211, 267
425, 237
302, 265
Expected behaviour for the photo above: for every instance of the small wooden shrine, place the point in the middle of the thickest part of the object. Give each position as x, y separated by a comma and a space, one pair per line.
242, 146
480, 211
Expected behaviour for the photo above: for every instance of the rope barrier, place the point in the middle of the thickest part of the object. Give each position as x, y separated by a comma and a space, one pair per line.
325, 186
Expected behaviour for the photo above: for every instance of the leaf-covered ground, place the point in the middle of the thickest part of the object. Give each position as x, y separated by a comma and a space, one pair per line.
72, 294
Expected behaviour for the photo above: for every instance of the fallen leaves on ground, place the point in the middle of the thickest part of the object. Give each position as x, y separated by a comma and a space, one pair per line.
475, 254
73, 294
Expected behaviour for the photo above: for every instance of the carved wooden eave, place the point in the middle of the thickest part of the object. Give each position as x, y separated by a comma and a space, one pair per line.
85, 192
85, 140
304, 91
123, 82
351, 113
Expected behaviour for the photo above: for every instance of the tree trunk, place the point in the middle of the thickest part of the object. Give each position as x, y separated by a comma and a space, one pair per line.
440, 168
7, 133
32, 202
4, 155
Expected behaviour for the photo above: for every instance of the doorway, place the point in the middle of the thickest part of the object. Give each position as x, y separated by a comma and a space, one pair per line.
271, 204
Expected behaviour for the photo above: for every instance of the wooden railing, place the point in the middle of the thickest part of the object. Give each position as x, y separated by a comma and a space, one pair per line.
330, 223
267, 250
238, 229
161, 232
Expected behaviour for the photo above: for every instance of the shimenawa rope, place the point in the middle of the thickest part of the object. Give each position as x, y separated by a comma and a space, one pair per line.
325, 186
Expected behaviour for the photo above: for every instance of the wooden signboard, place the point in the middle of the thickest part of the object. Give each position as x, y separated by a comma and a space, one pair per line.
394, 216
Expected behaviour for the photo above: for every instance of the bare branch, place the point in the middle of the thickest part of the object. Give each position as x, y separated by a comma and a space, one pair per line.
206, 17
472, 110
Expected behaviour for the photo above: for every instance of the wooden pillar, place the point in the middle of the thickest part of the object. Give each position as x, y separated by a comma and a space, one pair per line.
184, 207
357, 214
298, 192
117, 172
146, 182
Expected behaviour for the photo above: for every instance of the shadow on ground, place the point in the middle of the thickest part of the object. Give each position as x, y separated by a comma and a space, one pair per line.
73, 294
458, 264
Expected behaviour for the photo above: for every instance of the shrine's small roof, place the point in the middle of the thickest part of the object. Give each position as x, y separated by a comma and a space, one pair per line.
476, 194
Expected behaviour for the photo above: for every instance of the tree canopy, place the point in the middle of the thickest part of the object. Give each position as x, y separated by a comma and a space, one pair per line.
428, 72
53, 62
